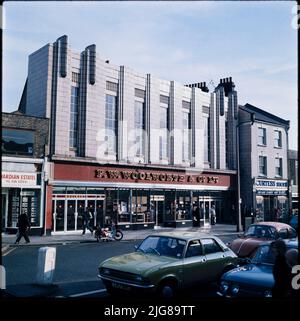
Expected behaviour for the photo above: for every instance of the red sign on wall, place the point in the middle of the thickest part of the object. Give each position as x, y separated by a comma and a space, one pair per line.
97, 173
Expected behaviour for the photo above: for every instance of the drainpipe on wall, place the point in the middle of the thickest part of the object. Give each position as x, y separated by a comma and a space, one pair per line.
43, 189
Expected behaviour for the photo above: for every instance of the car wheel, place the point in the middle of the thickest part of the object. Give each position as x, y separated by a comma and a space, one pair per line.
110, 290
167, 290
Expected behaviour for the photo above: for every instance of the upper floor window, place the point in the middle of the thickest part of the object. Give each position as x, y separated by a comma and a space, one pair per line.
111, 123
139, 125
262, 162
278, 167
262, 136
73, 139
17, 141
277, 138
163, 137
186, 126
206, 139
75, 77
112, 86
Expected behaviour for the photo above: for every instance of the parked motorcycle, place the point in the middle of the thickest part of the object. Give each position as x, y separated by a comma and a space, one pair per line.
108, 233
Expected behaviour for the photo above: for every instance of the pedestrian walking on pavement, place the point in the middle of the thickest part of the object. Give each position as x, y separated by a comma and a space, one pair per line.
213, 215
87, 220
23, 228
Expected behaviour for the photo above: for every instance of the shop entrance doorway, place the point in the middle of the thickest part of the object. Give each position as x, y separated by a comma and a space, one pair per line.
157, 209
68, 211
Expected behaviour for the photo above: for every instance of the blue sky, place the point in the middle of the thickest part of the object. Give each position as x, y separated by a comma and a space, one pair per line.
253, 42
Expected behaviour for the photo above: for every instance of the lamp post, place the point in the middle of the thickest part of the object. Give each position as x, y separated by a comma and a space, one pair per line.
239, 227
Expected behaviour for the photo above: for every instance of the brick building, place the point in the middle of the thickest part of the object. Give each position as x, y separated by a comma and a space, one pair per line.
24, 147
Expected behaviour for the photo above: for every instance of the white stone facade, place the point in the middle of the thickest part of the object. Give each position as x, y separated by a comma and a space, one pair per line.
49, 94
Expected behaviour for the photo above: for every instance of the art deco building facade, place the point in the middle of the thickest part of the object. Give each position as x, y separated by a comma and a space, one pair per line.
132, 147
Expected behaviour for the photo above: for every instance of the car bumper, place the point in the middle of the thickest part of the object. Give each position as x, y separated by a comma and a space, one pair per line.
243, 293
126, 286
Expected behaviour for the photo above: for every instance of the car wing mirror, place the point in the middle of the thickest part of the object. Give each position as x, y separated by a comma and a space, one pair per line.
136, 247
241, 235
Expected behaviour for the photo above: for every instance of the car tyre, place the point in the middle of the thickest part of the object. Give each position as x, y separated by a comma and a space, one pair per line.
167, 290
109, 289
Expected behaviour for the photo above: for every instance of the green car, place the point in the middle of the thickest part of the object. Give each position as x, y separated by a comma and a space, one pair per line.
166, 262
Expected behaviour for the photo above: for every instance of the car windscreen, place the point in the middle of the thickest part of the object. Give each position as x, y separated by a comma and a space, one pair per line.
261, 231
264, 255
163, 245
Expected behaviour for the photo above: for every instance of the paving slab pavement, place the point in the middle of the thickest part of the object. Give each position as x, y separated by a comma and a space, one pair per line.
8, 240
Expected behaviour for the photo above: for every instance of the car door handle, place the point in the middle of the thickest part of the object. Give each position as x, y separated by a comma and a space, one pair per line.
203, 260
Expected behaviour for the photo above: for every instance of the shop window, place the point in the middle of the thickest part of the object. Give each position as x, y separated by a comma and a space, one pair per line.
111, 212
76, 190
31, 206
170, 206
140, 206
124, 206
183, 205
13, 207
17, 142
59, 190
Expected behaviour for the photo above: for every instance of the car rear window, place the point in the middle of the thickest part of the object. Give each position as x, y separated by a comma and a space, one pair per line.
261, 231
283, 233
194, 249
292, 233
211, 246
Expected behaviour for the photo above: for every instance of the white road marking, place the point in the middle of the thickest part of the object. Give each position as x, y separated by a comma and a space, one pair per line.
87, 293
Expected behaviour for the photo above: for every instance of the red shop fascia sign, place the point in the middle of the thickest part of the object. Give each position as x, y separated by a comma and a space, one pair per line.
98, 173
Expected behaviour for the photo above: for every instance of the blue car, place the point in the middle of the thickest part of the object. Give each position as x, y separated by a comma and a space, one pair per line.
294, 222
254, 279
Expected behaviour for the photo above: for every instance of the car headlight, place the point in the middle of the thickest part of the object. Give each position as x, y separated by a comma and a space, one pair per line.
235, 289
268, 294
142, 280
138, 278
105, 271
224, 286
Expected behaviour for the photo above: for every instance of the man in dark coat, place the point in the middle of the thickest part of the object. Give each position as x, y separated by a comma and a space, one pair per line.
87, 220
24, 226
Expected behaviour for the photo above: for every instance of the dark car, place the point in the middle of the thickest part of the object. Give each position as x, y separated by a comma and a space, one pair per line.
294, 222
254, 279
258, 233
